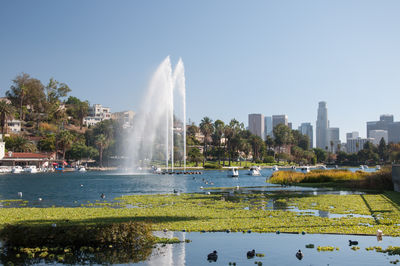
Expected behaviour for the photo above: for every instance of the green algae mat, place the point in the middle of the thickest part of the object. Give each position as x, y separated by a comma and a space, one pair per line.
235, 212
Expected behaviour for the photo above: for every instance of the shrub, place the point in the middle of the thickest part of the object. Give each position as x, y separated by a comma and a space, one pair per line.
212, 166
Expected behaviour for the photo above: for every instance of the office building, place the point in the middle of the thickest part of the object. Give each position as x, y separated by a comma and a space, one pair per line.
352, 135
357, 144
256, 125
279, 119
268, 126
394, 132
382, 124
377, 135
333, 139
307, 130
322, 126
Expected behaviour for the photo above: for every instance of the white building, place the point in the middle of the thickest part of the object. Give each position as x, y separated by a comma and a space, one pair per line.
256, 125
97, 113
377, 135
14, 126
125, 118
333, 139
357, 144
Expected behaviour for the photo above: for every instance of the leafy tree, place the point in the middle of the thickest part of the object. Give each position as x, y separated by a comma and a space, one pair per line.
383, 150
77, 109
48, 143
6, 112
283, 136
101, 142
195, 156
27, 91
320, 154
207, 128
258, 146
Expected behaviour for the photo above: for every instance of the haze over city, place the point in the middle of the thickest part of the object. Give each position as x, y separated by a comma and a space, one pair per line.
261, 57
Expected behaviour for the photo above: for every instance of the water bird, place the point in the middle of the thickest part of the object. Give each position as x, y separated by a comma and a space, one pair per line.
251, 254
299, 255
39, 199
208, 193
81, 185
175, 191
237, 187
212, 256
102, 196
20, 194
353, 243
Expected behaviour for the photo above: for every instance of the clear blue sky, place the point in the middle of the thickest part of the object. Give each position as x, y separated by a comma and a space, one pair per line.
241, 57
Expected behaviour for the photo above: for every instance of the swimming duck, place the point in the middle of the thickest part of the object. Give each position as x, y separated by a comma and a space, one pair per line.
351, 243
299, 254
212, 256
251, 254
102, 196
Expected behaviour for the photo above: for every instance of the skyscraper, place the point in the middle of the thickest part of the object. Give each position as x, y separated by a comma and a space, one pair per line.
279, 119
307, 129
256, 125
322, 126
333, 139
268, 126
382, 124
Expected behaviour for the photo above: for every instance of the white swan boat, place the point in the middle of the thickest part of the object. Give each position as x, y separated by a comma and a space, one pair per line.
254, 171
17, 169
31, 169
275, 168
233, 172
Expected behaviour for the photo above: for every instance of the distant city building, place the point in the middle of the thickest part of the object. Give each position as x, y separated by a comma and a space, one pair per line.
394, 132
256, 125
322, 126
386, 123
357, 144
333, 139
268, 126
307, 129
352, 135
290, 125
97, 113
377, 135
279, 119
382, 124
125, 118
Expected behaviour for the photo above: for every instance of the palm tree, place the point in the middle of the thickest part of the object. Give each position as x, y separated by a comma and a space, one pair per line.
207, 128
6, 112
101, 143
65, 140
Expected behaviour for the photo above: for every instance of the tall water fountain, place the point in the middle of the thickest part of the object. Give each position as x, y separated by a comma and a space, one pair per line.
159, 130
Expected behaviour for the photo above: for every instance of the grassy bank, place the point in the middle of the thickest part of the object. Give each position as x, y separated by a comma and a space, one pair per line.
238, 212
380, 180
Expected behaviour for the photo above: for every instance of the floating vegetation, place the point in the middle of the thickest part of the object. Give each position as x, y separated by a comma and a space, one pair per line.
310, 246
267, 212
355, 248
327, 248
260, 255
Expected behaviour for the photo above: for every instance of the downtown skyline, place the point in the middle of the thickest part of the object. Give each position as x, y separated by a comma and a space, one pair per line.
275, 59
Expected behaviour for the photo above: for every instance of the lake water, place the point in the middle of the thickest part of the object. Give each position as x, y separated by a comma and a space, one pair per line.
278, 249
71, 189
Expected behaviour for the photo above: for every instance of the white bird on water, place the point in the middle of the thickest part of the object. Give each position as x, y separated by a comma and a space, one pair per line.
20, 194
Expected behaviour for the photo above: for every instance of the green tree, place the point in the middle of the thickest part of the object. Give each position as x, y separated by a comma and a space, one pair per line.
195, 156
6, 112
48, 143
283, 136
207, 128
77, 109
101, 142
258, 147
383, 150
26, 91
17, 143
65, 140
320, 154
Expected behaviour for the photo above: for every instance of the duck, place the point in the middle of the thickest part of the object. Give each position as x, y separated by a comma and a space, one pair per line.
102, 196
353, 243
212, 256
299, 254
251, 254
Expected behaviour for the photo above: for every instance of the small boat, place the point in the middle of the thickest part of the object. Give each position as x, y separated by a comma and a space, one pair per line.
365, 166
17, 169
322, 167
233, 172
275, 168
81, 169
362, 167
293, 167
254, 171
31, 169
378, 167
336, 167
305, 169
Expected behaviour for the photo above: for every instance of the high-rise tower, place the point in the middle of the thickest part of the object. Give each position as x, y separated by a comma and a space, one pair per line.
322, 126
